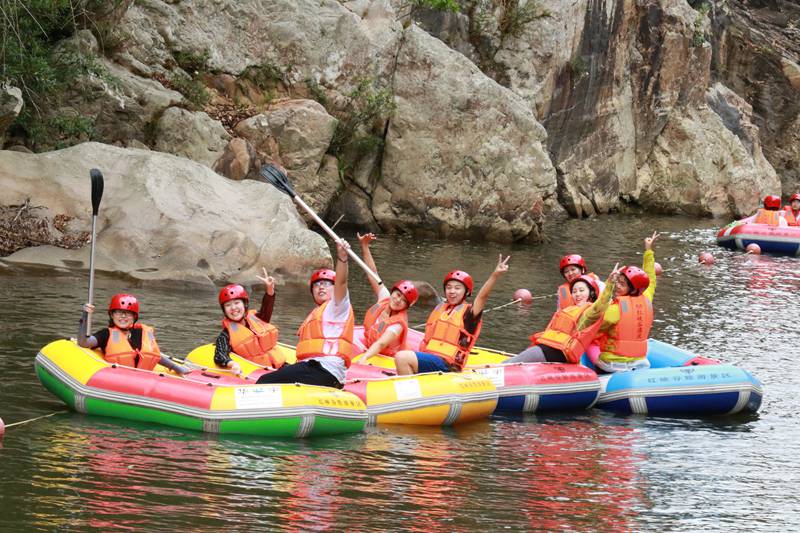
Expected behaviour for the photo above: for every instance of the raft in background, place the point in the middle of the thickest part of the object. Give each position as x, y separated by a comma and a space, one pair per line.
680, 383
522, 387
201, 401
782, 240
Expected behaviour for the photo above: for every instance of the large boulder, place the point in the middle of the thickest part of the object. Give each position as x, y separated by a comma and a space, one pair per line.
163, 217
463, 155
191, 134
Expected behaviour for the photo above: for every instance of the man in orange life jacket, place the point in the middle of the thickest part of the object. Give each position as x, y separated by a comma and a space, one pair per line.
326, 336
386, 322
771, 213
124, 342
792, 211
246, 333
572, 266
572, 329
452, 327
627, 321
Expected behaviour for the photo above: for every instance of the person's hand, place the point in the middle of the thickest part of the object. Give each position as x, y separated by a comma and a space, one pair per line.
366, 238
648, 242
88, 308
614, 276
234, 367
269, 282
342, 246
502, 265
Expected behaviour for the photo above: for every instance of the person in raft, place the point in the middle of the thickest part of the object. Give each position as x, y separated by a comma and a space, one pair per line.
771, 213
245, 332
325, 347
126, 342
452, 327
792, 211
572, 330
627, 321
386, 322
572, 266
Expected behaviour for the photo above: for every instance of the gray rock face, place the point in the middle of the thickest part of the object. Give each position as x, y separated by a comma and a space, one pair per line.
191, 134
10, 106
463, 155
163, 217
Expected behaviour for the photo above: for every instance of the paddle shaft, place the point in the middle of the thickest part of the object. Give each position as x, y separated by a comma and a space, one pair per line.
333, 236
91, 276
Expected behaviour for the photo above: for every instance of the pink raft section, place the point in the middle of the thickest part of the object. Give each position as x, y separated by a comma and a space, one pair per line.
195, 390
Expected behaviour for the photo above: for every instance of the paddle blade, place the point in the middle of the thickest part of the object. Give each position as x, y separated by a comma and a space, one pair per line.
278, 178
97, 189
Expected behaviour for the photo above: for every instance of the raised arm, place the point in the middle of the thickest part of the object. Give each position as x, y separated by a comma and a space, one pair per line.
364, 240
340, 286
649, 265
486, 290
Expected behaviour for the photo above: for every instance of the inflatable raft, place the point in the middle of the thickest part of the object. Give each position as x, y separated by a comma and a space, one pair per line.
200, 401
783, 240
435, 399
680, 383
523, 387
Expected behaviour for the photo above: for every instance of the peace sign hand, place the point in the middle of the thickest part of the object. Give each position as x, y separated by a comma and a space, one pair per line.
502, 265
648, 242
366, 238
269, 282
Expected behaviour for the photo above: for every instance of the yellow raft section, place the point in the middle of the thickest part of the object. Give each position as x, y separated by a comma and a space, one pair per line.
478, 357
424, 399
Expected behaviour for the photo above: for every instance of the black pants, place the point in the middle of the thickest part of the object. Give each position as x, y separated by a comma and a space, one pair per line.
306, 372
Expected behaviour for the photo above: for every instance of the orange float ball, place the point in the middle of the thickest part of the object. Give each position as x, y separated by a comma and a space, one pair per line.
706, 258
523, 295
753, 248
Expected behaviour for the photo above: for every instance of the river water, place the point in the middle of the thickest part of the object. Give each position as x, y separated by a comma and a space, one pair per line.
589, 471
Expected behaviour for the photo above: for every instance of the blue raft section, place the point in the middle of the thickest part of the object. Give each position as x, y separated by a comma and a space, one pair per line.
673, 386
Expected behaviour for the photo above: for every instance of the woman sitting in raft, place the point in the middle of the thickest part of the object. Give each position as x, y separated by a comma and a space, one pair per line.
572, 266
792, 211
124, 342
627, 321
386, 322
572, 329
245, 332
452, 327
326, 335
771, 214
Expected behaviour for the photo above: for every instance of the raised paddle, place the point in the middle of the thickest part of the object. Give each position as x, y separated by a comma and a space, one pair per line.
278, 178
97, 195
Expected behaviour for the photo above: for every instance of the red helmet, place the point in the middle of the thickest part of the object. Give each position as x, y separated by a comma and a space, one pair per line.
322, 274
124, 302
637, 277
772, 202
408, 290
233, 292
572, 259
795, 196
590, 281
463, 277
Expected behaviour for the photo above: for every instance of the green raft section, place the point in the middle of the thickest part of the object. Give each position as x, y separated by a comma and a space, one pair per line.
289, 426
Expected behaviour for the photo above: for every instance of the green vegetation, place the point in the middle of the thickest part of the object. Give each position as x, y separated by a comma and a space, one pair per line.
29, 60
365, 107
699, 36
411, 7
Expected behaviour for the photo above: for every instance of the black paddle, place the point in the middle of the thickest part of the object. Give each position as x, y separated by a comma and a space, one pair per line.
97, 195
278, 178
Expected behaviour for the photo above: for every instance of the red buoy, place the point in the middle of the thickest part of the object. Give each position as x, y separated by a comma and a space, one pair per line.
706, 258
523, 295
753, 248
2, 427
658, 268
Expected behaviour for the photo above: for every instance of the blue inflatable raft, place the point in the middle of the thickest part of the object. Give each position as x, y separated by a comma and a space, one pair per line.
679, 383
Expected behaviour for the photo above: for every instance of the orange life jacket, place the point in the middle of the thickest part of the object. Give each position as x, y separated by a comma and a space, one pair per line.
255, 340
314, 343
119, 350
628, 337
446, 336
375, 323
562, 332
565, 295
766, 216
791, 217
